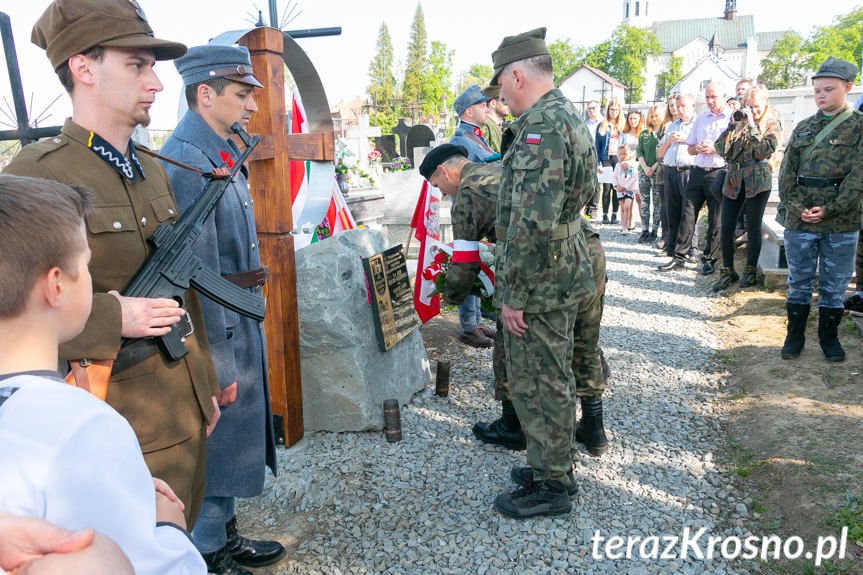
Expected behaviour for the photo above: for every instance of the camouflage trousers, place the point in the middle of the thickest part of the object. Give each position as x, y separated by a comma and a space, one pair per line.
859, 264
586, 365
541, 385
835, 252
651, 196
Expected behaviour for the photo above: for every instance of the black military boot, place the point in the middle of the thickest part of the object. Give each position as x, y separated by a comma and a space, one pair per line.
798, 313
589, 429
829, 319
251, 553
505, 431
727, 276
221, 563
547, 497
523, 475
748, 278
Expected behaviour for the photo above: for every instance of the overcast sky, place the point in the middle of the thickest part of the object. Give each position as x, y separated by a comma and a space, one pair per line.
472, 29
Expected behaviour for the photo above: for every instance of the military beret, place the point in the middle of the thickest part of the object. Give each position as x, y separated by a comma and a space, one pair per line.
515, 48
473, 95
492, 91
70, 27
209, 62
438, 156
836, 68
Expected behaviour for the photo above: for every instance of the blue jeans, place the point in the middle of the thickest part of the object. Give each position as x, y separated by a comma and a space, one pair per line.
804, 250
209, 532
470, 314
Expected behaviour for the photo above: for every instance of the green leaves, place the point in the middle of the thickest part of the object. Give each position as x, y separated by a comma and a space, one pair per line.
624, 57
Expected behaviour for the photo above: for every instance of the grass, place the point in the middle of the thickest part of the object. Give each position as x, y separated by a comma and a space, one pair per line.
850, 515
727, 358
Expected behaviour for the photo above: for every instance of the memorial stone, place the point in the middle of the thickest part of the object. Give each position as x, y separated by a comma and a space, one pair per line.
386, 145
419, 136
401, 130
346, 376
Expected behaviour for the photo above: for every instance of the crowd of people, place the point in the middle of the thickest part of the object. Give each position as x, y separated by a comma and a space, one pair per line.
156, 467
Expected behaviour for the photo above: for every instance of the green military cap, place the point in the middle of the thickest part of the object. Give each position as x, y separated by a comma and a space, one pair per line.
69, 27
836, 68
515, 48
492, 91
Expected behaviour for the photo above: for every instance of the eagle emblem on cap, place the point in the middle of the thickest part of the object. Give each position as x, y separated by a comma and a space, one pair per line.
138, 10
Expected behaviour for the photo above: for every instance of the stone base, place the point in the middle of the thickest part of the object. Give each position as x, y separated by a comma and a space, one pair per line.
346, 377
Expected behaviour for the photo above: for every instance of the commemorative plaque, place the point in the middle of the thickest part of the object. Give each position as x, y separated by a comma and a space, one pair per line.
391, 296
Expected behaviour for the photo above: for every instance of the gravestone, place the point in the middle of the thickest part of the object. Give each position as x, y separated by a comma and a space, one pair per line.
358, 140
419, 136
401, 130
346, 376
386, 145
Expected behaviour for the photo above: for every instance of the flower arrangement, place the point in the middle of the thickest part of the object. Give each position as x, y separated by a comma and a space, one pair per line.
483, 284
341, 167
374, 156
401, 163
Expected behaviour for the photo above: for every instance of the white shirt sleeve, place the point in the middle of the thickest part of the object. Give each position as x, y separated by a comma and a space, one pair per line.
92, 474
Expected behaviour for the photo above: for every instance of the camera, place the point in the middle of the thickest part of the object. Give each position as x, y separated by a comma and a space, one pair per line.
740, 114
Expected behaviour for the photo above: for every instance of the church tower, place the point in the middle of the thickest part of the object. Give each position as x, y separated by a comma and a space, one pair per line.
730, 9
636, 13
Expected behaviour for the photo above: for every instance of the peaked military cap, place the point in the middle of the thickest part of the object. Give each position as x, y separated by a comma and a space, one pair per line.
515, 48
836, 68
69, 27
492, 91
438, 156
209, 62
473, 95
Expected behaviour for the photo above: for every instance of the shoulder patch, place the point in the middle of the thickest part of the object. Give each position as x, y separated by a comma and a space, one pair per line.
532, 138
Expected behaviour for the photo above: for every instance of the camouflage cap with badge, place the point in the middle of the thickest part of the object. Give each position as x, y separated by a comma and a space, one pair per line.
70, 27
519, 47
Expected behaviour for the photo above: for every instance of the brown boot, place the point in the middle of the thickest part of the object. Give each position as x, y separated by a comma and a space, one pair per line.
476, 338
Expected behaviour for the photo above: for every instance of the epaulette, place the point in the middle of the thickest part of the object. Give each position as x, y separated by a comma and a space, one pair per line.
44, 146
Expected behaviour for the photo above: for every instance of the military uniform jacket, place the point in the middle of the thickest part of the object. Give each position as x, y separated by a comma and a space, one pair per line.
473, 211
242, 443
492, 132
548, 176
747, 151
837, 156
470, 137
165, 402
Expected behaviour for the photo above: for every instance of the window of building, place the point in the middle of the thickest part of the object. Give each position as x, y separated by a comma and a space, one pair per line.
636, 8
626, 10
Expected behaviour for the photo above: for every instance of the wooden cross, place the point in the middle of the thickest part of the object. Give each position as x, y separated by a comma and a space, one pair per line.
269, 184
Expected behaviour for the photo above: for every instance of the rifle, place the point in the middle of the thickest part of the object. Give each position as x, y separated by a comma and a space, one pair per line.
168, 272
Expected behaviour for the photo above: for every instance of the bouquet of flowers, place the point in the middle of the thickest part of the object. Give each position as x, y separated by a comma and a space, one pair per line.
483, 284
401, 163
374, 156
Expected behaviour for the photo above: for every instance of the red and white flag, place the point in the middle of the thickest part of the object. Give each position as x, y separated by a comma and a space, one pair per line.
299, 169
339, 215
427, 222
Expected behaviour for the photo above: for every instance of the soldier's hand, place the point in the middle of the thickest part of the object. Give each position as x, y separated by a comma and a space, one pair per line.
812, 215
147, 317
227, 396
217, 413
513, 320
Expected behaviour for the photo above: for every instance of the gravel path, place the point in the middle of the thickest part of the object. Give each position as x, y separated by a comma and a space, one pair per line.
352, 503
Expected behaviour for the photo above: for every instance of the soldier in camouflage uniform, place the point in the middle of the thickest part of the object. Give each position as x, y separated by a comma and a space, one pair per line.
542, 266
821, 198
473, 189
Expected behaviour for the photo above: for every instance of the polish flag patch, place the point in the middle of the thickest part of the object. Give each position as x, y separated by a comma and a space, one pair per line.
533, 138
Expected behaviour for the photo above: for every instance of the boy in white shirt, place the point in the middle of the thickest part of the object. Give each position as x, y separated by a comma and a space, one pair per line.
68, 457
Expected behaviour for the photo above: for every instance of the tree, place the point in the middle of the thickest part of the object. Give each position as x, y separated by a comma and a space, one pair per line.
476, 74
436, 86
565, 58
382, 83
671, 76
417, 63
624, 57
785, 65
843, 39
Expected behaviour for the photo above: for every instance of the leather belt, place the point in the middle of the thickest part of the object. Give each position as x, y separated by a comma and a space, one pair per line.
819, 182
562, 231
134, 353
708, 170
249, 279
749, 164
678, 168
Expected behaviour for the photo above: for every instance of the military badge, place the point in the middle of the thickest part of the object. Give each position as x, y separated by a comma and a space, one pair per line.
533, 138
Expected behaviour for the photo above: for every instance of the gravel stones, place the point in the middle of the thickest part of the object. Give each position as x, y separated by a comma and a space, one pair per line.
351, 503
